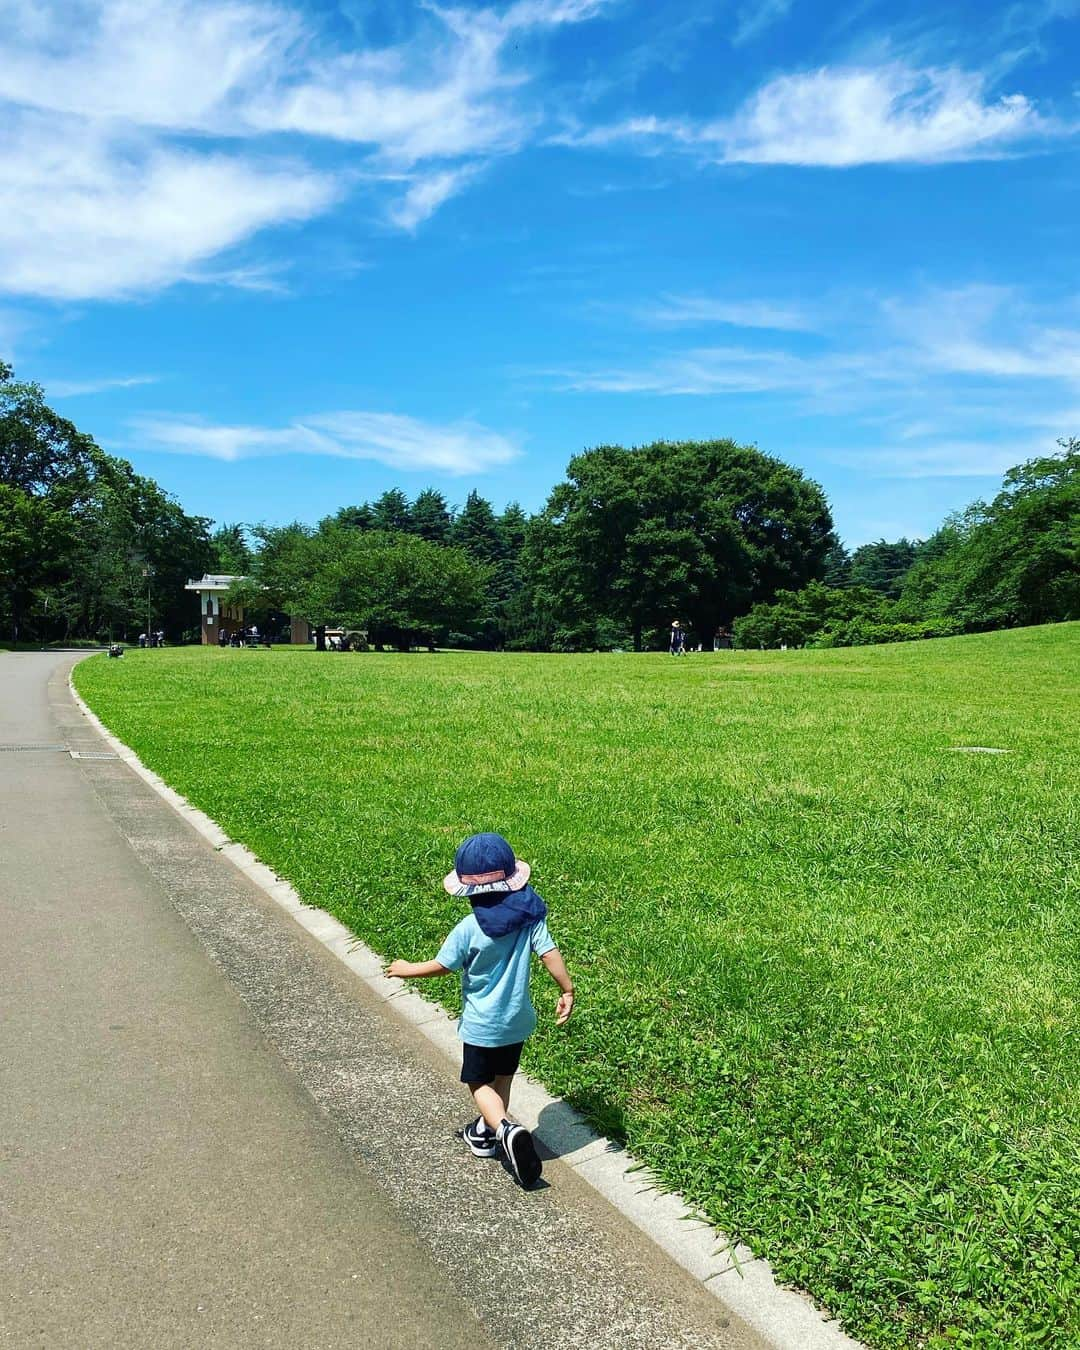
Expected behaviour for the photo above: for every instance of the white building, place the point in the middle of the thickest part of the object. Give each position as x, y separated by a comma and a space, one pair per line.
216, 615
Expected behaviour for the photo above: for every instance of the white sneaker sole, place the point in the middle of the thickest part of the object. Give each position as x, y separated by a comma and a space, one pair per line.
522, 1155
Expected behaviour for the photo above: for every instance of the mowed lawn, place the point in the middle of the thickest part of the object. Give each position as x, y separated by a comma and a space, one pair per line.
828, 967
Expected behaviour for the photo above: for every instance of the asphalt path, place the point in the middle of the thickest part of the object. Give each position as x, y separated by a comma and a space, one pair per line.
211, 1134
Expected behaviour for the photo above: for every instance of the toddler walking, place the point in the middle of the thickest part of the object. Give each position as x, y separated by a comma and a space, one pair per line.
492, 947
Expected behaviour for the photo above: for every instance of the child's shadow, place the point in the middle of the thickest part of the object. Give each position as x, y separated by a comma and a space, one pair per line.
538, 1185
562, 1127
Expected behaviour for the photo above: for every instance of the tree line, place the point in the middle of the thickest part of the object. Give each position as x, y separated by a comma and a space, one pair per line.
84, 539
713, 532
629, 539
1009, 562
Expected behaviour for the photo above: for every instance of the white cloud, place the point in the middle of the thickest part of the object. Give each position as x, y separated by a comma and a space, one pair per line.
941, 459
77, 388
698, 371
754, 18
951, 382
689, 310
176, 64
131, 131
986, 331
83, 215
404, 443
427, 193
13, 325
845, 116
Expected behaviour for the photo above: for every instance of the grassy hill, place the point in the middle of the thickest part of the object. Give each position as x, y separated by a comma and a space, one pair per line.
827, 963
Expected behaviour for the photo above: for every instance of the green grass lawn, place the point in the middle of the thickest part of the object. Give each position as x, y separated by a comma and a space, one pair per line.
827, 968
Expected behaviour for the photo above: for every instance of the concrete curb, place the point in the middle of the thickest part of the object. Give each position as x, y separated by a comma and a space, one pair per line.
739, 1280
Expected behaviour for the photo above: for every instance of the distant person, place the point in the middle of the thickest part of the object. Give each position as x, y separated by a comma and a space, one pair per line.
142, 639
223, 636
491, 947
677, 645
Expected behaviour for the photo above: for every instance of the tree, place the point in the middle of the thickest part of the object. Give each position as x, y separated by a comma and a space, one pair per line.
232, 553
1014, 561
355, 517
33, 541
824, 616
42, 453
698, 530
882, 566
117, 524
476, 530
430, 517
391, 512
400, 588
836, 569
404, 590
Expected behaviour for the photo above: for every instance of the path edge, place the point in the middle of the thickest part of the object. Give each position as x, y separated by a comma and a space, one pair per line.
741, 1282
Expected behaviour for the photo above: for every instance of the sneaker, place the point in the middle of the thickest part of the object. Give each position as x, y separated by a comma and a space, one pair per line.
480, 1139
521, 1154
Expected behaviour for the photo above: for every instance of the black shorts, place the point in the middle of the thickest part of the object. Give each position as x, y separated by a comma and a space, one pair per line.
482, 1063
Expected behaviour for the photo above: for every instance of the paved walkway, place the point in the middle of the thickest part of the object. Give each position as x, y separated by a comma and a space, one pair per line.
212, 1135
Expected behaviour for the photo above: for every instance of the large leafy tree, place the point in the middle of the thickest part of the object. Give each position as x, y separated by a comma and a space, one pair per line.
700, 530
91, 576
402, 589
1013, 561
34, 539
42, 453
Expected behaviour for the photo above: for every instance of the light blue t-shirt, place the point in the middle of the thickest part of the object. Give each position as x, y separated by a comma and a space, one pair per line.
494, 980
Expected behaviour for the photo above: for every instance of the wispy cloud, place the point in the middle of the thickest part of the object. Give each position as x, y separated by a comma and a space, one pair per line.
427, 193
77, 388
754, 18
987, 331
106, 192
846, 116
941, 459
85, 215
404, 443
13, 325
950, 381
679, 311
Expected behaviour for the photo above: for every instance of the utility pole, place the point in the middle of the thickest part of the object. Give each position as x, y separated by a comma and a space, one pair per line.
148, 573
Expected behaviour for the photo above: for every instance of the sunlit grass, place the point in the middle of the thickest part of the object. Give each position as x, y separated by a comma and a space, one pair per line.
827, 966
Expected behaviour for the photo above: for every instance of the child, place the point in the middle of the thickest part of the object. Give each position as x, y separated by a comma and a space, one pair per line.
491, 947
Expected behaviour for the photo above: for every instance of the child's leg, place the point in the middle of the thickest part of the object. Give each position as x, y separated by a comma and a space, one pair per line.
493, 1099
502, 1085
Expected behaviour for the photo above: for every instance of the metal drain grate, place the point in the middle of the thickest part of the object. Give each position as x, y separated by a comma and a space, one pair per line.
92, 754
32, 747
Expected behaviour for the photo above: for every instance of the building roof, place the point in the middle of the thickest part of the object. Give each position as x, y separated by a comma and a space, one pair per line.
212, 582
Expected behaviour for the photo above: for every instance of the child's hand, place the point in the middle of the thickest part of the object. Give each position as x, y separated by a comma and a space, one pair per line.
564, 1007
398, 969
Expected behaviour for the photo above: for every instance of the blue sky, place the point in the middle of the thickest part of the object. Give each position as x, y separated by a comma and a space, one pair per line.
283, 256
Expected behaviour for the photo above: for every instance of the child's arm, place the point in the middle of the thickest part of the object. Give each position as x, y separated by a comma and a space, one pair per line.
415, 970
556, 968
